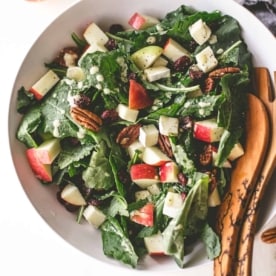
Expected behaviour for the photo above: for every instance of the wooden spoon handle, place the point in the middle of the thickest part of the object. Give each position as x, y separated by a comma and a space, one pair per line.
243, 181
245, 251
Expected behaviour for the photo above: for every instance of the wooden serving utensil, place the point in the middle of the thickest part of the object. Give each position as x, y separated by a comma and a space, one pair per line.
243, 181
244, 255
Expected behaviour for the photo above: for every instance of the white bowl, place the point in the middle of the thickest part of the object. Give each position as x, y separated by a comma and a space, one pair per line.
84, 237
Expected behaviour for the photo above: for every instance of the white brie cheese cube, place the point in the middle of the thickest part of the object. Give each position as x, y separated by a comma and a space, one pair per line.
148, 135
172, 205
93, 34
94, 215
200, 32
206, 60
168, 125
157, 72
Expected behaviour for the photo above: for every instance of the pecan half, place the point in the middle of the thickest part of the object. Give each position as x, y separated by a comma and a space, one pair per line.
86, 118
165, 145
218, 73
128, 135
269, 235
205, 158
208, 84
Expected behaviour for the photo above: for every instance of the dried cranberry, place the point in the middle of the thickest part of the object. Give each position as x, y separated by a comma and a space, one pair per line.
82, 101
185, 123
182, 178
182, 64
124, 177
195, 73
132, 76
111, 44
109, 116
116, 28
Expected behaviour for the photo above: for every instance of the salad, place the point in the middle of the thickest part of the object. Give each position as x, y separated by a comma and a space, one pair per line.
139, 129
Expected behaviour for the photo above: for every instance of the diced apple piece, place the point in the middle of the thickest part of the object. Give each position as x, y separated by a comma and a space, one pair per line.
93, 34
40, 170
172, 205
157, 72
154, 189
173, 50
168, 125
226, 163
236, 152
214, 198
94, 216
44, 84
75, 73
154, 244
200, 32
140, 195
145, 57
168, 172
126, 113
144, 175
144, 216
141, 21
161, 61
207, 130
134, 147
148, 135
154, 156
206, 60
72, 195
138, 97
48, 151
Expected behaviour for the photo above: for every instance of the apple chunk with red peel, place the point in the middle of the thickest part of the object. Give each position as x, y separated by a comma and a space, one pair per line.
40, 88
40, 170
48, 151
154, 244
173, 50
138, 97
168, 172
141, 21
144, 175
207, 131
144, 216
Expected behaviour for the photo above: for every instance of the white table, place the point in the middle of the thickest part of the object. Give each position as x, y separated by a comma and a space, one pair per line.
27, 245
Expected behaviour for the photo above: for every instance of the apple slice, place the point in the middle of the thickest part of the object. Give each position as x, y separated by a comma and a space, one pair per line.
173, 50
138, 96
236, 152
207, 130
75, 73
144, 175
126, 113
72, 195
48, 151
40, 170
145, 57
154, 244
134, 147
141, 21
93, 34
168, 172
94, 216
140, 195
44, 84
157, 72
226, 164
154, 189
154, 156
148, 135
214, 198
144, 216
172, 204
168, 125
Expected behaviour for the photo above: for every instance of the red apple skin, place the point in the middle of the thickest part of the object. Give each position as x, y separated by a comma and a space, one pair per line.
136, 21
41, 171
143, 171
36, 93
202, 133
138, 96
166, 170
145, 215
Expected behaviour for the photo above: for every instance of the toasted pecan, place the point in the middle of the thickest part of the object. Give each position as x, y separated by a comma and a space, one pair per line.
165, 145
269, 235
86, 118
128, 135
218, 73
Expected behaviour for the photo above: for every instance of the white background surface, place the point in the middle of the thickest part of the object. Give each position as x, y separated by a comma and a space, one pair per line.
27, 245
